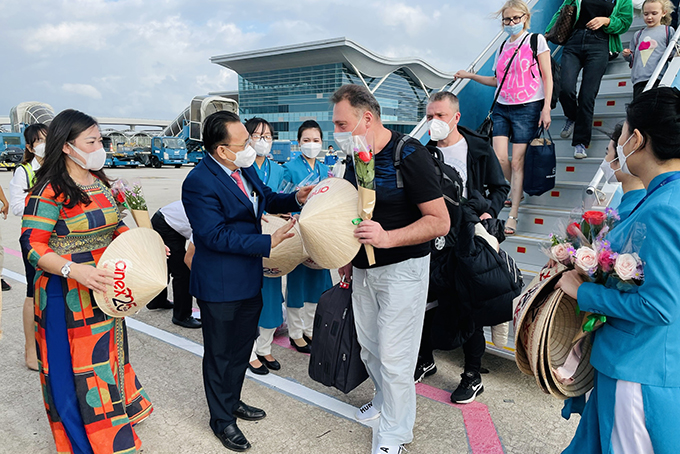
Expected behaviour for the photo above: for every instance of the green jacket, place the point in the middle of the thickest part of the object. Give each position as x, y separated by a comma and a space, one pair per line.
621, 18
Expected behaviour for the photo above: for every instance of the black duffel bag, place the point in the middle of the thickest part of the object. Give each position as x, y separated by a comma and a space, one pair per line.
335, 359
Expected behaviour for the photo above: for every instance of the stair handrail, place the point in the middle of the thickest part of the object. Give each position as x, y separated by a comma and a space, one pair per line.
668, 55
458, 84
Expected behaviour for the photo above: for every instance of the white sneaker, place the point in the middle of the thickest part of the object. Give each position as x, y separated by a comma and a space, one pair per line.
580, 152
568, 129
367, 412
499, 334
391, 449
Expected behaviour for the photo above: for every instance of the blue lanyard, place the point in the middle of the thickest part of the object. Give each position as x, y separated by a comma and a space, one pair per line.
265, 169
309, 168
668, 179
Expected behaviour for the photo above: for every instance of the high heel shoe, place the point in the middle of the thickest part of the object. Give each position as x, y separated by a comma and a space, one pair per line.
273, 365
304, 349
262, 370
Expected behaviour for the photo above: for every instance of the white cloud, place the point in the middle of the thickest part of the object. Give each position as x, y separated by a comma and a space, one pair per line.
407, 18
82, 89
66, 35
148, 59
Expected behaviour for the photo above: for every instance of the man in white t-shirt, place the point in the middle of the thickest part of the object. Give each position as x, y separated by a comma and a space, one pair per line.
484, 191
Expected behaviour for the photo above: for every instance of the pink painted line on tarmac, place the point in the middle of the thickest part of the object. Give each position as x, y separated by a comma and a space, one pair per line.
12, 252
481, 431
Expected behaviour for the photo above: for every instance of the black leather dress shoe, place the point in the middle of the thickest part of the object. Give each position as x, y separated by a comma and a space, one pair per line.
307, 339
232, 438
262, 370
160, 305
273, 365
188, 322
248, 413
305, 349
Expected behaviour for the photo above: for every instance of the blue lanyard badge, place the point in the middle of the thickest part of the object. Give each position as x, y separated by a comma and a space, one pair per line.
668, 179
265, 170
310, 170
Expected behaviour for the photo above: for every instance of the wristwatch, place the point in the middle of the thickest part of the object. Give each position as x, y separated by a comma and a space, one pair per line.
66, 269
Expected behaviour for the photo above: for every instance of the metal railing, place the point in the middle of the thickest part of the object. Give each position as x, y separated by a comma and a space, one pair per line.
458, 84
670, 53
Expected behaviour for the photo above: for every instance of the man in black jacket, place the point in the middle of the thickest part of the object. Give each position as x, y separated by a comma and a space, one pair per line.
485, 190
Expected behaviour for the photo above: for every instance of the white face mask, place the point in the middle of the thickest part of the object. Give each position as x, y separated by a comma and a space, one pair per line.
609, 173
93, 161
244, 158
439, 130
344, 139
262, 147
39, 150
311, 149
621, 155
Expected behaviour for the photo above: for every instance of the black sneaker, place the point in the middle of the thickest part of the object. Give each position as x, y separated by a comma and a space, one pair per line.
424, 369
5, 286
470, 386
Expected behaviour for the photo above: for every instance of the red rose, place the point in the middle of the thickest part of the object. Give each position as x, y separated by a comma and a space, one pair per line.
573, 229
365, 156
120, 197
594, 217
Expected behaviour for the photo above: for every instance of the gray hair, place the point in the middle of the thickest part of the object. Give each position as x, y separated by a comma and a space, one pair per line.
446, 96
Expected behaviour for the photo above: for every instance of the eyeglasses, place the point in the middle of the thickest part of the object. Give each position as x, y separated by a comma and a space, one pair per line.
513, 20
266, 137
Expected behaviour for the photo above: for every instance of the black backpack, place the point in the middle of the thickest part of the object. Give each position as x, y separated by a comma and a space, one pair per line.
450, 183
555, 68
335, 359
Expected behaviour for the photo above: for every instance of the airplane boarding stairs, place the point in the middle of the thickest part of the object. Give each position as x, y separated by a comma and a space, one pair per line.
577, 180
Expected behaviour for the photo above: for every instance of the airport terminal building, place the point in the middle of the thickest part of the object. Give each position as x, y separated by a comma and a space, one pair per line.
291, 84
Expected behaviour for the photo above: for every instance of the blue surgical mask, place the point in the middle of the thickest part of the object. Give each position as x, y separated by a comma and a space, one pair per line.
513, 29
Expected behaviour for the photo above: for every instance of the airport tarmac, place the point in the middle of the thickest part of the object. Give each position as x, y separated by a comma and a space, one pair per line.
512, 415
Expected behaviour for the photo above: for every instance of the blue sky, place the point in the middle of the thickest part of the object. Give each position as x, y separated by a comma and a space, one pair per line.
148, 58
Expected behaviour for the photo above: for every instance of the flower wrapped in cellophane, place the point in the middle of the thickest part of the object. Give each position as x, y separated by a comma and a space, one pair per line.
583, 245
364, 170
131, 196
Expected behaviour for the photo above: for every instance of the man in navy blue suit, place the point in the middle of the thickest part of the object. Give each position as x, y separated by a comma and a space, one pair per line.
224, 200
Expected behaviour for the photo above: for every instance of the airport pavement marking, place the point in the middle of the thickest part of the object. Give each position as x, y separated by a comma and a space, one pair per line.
480, 429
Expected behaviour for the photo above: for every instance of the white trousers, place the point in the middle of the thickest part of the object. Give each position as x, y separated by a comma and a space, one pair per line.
301, 321
263, 343
629, 434
389, 307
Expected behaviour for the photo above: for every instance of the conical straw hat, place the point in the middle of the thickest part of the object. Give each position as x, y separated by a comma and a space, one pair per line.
543, 376
286, 256
138, 261
326, 223
306, 259
531, 337
527, 304
309, 263
562, 327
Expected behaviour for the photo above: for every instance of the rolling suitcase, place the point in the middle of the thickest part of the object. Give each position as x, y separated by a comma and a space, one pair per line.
335, 359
